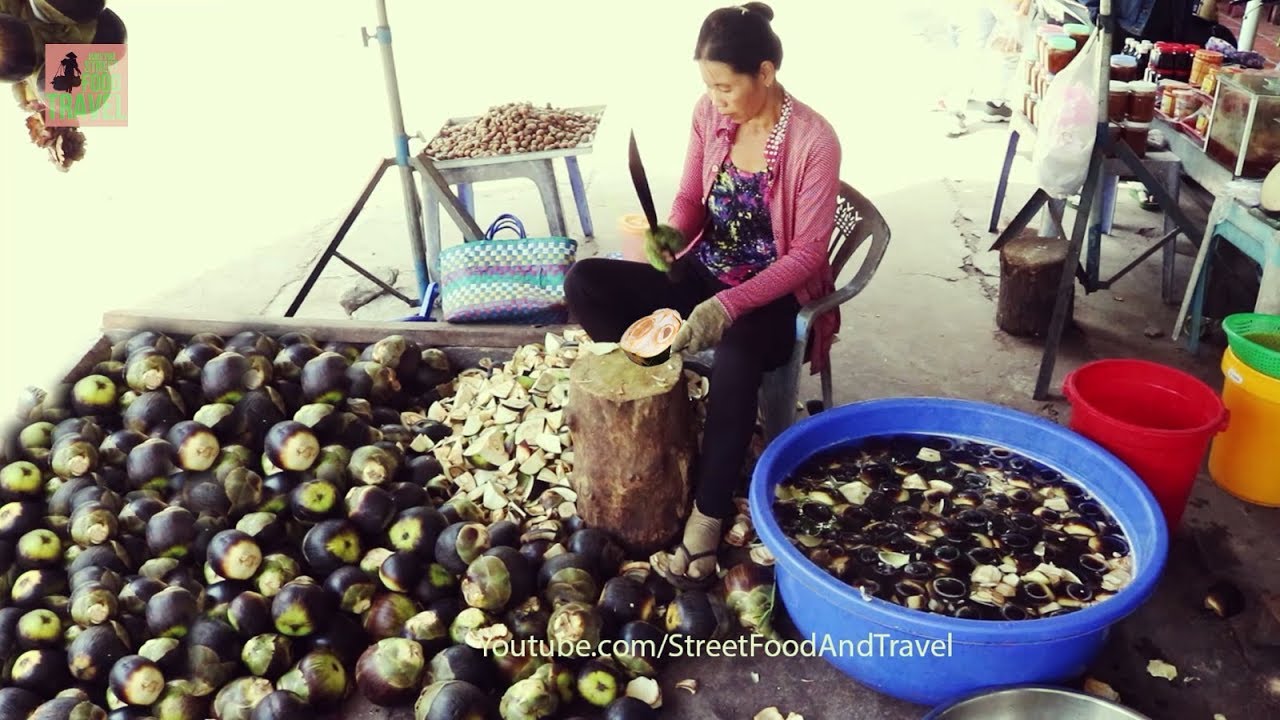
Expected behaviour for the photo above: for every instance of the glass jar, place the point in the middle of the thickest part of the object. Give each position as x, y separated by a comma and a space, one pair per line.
1078, 32
1045, 82
1118, 101
1124, 68
1210, 82
1187, 59
1203, 60
1165, 98
1185, 103
1135, 135
1062, 50
1042, 40
1164, 62
1142, 101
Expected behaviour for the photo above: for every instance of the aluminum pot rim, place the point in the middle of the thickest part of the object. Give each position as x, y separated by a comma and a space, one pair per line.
1127, 713
1086, 621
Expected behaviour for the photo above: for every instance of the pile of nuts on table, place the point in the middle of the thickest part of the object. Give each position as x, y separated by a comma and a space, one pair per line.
512, 129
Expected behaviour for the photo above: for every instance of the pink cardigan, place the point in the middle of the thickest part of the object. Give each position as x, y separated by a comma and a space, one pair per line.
802, 205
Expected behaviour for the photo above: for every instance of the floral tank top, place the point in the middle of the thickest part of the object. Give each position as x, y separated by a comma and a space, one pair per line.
738, 242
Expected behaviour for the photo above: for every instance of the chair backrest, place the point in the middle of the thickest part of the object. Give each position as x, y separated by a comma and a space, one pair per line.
857, 220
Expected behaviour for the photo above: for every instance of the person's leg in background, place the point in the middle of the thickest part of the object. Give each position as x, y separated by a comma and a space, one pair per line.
972, 23
1003, 51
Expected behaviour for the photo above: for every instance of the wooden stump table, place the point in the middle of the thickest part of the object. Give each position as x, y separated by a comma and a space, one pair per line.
633, 447
1030, 270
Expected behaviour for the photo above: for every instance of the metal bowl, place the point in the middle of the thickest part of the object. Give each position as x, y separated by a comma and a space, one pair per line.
1033, 701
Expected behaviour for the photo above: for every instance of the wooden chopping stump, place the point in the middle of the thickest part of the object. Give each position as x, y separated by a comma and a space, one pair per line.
633, 447
1030, 270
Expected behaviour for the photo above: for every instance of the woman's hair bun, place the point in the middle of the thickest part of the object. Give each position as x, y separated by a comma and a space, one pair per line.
760, 9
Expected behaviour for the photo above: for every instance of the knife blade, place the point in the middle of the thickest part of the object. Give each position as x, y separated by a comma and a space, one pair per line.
641, 182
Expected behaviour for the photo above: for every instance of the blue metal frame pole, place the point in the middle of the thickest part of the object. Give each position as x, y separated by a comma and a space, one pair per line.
412, 206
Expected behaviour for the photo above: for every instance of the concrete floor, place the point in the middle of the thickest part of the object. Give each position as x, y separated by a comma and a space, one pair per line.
265, 183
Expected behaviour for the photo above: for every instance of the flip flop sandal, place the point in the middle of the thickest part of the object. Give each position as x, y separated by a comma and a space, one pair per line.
682, 581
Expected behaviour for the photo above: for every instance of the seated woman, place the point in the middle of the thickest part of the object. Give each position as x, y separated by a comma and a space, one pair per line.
745, 247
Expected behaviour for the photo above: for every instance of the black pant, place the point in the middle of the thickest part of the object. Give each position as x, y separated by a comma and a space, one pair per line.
607, 296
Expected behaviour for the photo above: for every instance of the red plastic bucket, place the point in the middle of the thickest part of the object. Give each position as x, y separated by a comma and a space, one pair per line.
1156, 419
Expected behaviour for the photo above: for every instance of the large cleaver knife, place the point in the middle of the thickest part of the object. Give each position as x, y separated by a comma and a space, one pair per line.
641, 182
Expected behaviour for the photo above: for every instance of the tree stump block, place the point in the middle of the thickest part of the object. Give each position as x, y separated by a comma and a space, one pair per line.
633, 447
1031, 268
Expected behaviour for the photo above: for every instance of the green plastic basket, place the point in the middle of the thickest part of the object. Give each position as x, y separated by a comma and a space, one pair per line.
1255, 339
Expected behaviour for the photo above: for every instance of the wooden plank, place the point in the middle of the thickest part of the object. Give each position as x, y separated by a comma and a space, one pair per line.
121, 323
99, 352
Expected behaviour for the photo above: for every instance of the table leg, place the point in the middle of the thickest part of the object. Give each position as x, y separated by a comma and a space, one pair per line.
1216, 214
431, 213
1197, 301
544, 177
467, 197
1106, 213
579, 195
1110, 186
1003, 184
1173, 183
1269, 290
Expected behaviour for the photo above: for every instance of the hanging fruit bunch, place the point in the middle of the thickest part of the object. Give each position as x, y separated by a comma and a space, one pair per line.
26, 27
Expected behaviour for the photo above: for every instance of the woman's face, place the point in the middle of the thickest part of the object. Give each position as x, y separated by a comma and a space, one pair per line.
738, 96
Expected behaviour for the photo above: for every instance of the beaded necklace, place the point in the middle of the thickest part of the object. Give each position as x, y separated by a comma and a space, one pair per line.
773, 145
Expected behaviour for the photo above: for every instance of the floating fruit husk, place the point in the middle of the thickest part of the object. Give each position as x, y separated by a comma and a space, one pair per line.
954, 527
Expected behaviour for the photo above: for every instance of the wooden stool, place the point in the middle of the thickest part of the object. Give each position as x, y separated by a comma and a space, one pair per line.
1030, 272
633, 447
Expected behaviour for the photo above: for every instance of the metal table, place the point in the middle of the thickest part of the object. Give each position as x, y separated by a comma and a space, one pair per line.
1244, 227
536, 166
1164, 165
1256, 236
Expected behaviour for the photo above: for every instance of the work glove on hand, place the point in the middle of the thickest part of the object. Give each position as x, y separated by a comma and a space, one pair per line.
703, 329
661, 246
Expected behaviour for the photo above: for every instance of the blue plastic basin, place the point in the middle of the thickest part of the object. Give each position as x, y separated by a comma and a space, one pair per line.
951, 657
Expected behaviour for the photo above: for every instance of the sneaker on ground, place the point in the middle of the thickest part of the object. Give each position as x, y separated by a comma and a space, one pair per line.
996, 112
956, 126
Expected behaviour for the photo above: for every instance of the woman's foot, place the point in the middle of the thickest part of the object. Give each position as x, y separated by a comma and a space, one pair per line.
693, 562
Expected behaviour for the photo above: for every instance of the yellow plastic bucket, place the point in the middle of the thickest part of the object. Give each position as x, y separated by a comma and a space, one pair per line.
632, 228
1245, 459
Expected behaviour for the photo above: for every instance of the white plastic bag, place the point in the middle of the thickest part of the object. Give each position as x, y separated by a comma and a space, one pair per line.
1068, 124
